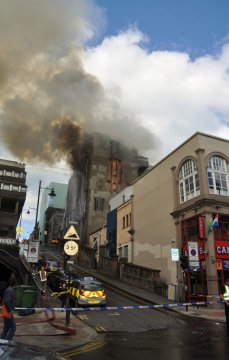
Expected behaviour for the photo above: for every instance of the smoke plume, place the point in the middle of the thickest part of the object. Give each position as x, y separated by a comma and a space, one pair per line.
48, 102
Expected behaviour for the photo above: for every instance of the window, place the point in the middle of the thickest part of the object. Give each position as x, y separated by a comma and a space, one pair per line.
123, 222
190, 230
98, 204
127, 220
188, 181
218, 176
125, 251
5, 186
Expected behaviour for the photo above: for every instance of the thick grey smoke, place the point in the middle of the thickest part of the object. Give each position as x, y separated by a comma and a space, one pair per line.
47, 100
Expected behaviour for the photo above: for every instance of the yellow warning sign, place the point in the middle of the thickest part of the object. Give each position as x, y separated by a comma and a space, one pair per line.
71, 234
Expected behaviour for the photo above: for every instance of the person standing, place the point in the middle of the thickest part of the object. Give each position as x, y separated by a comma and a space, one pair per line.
8, 305
224, 296
43, 279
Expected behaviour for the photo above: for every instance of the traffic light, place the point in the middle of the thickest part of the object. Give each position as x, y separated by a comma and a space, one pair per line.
184, 262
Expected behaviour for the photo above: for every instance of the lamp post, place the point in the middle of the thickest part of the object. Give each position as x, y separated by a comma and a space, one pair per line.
51, 194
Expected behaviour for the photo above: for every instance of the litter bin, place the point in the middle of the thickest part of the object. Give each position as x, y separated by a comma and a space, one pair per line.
28, 298
18, 291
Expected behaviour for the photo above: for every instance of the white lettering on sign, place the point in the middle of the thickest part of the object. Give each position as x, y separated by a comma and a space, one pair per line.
222, 249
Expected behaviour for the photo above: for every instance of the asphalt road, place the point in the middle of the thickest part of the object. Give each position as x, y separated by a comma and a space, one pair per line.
194, 339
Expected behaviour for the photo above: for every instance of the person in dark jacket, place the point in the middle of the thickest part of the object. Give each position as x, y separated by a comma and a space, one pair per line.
8, 299
224, 296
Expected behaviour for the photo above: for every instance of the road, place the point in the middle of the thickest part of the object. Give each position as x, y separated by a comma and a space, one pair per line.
190, 339
149, 334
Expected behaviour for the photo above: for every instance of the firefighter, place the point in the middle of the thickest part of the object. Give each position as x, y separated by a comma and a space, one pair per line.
224, 296
43, 280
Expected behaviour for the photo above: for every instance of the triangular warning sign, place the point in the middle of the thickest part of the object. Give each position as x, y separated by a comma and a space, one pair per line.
71, 234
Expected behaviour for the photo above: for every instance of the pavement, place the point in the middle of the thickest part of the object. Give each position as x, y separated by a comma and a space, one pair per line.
46, 334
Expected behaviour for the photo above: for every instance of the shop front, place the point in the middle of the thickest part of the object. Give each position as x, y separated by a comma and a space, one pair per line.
194, 255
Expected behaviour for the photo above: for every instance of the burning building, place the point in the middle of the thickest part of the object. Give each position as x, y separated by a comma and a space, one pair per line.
103, 169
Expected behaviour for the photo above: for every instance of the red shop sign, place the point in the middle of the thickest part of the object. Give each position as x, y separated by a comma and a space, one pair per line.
222, 249
201, 227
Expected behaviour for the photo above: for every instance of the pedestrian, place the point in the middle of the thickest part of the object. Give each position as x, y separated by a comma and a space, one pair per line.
8, 305
33, 270
43, 279
224, 296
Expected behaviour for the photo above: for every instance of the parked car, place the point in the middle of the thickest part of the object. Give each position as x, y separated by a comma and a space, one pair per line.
86, 292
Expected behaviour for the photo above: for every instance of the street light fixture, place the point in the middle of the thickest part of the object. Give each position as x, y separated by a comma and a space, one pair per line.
51, 194
28, 212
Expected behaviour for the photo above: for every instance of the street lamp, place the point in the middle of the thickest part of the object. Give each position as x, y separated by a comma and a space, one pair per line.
51, 194
28, 212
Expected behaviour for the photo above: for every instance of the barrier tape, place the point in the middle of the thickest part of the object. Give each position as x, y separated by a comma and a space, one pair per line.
104, 308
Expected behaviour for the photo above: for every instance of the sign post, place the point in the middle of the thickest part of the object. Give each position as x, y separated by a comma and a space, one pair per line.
70, 249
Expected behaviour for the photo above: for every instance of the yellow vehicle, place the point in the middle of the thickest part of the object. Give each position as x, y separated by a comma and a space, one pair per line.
86, 292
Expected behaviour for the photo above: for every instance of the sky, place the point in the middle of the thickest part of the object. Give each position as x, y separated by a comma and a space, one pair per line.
150, 73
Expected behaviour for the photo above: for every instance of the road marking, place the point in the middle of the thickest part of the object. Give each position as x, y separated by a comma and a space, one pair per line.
100, 329
83, 317
114, 314
85, 348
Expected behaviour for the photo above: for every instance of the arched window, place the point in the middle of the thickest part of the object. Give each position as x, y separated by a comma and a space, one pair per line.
218, 175
188, 181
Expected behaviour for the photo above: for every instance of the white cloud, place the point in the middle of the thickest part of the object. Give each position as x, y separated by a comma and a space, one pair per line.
169, 93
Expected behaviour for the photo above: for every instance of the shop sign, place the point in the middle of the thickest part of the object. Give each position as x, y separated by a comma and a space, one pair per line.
193, 251
225, 264
201, 227
222, 249
219, 265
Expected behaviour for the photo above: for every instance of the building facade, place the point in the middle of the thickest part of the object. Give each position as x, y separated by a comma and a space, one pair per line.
107, 168
51, 212
12, 196
174, 207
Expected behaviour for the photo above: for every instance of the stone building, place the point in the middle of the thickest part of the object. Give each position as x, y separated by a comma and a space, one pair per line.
181, 205
105, 168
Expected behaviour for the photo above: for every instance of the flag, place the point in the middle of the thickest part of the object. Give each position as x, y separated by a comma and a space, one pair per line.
215, 221
210, 224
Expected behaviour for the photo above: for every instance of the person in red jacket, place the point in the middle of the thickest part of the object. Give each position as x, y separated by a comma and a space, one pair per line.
8, 300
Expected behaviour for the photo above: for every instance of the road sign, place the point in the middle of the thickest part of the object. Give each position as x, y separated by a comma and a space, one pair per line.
175, 254
71, 248
193, 251
71, 234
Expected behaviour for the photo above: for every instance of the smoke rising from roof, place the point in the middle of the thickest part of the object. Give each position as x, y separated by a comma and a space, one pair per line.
47, 100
